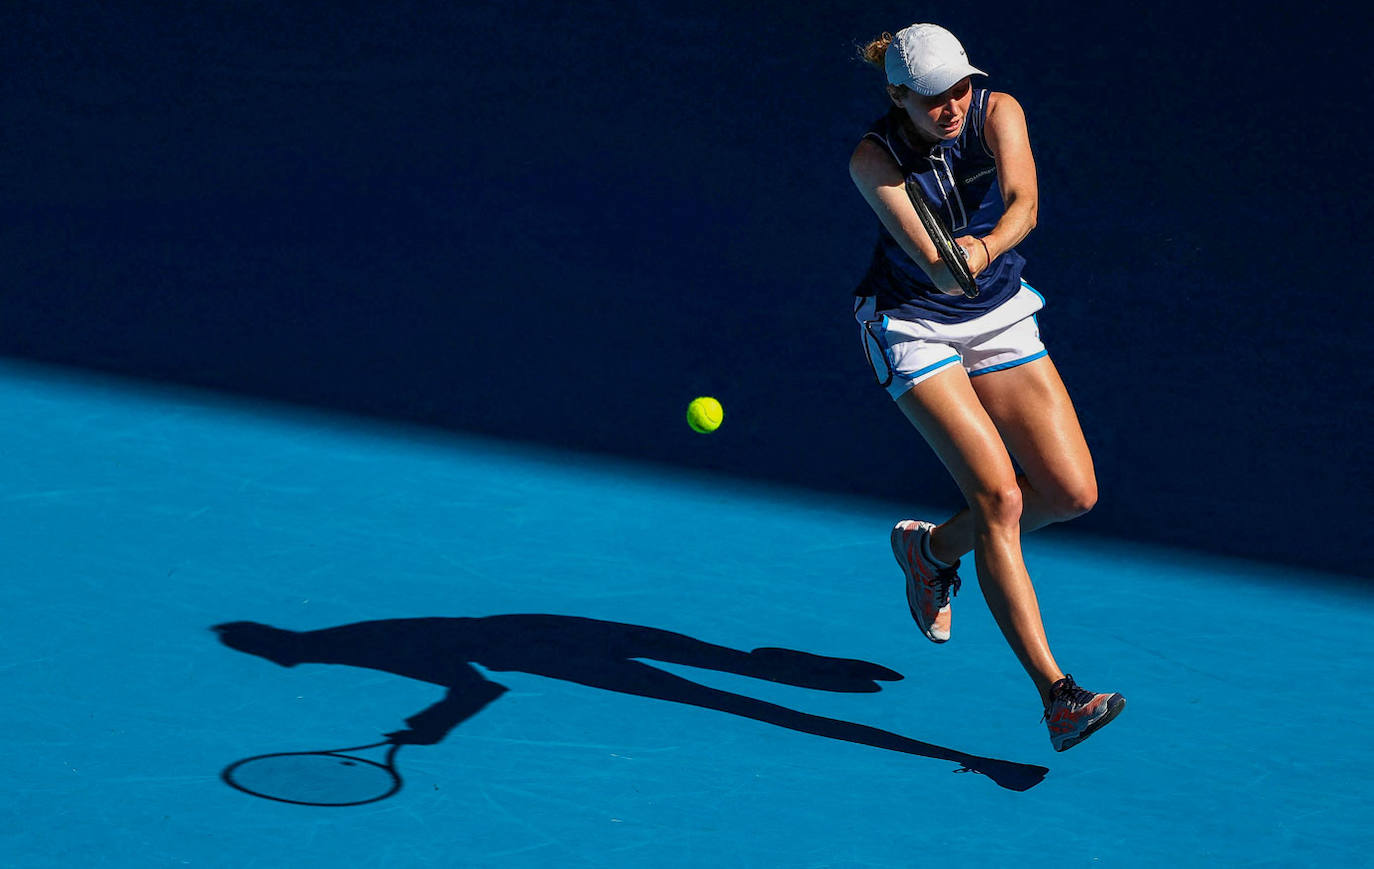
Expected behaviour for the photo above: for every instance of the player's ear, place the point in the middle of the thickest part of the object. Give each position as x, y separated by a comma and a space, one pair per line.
895, 92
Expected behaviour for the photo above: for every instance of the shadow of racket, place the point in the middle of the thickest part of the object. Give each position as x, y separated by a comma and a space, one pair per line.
334, 777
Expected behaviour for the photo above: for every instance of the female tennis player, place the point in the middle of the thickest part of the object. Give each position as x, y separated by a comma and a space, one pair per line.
970, 374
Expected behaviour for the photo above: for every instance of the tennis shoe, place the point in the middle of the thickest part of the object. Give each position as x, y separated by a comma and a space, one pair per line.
928, 588
1074, 714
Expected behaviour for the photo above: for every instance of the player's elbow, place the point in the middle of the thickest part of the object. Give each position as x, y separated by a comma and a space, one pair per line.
1024, 207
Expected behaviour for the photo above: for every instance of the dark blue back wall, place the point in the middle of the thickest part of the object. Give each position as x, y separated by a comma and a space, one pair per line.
559, 222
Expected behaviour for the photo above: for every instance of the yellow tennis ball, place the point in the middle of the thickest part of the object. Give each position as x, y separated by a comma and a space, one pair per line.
704, 414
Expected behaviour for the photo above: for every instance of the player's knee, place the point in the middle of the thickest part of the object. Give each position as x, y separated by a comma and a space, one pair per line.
999, 505
1074, 499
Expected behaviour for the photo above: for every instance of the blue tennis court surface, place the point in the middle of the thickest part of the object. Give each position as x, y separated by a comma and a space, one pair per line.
619, 606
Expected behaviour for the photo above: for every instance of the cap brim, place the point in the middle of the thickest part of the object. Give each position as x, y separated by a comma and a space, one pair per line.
937, 81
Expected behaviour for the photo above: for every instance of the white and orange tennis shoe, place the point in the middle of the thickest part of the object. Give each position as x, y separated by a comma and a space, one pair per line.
1074, 713
928, 588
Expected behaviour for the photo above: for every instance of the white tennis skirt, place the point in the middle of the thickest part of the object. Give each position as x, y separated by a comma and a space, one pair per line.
905, 352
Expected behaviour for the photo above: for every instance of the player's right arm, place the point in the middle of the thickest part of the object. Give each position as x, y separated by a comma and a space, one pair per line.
880, 181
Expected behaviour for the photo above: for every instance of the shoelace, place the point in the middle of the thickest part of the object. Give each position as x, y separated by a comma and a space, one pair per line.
946, 584
1067, 692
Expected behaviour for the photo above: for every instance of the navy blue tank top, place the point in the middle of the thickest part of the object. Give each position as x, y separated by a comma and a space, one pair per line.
959, 178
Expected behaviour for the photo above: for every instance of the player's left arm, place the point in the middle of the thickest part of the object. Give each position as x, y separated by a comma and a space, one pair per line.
1009, 141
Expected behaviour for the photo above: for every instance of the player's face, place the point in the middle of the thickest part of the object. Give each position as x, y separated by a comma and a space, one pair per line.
940, 117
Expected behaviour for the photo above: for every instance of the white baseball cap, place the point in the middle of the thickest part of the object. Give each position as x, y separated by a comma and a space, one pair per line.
928, 59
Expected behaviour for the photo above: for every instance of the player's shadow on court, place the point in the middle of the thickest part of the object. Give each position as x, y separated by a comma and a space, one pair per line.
597, 654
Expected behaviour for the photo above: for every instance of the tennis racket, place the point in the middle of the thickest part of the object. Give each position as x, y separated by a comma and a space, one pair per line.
335, 777
950, 253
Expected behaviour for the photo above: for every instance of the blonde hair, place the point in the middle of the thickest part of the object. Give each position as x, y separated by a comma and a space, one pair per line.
875, 52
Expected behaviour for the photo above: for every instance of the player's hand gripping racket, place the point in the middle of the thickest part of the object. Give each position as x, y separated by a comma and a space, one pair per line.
336, 777
950, 253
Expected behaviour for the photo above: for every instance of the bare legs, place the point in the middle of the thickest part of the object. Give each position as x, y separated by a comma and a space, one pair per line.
971, 424
1033, 414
